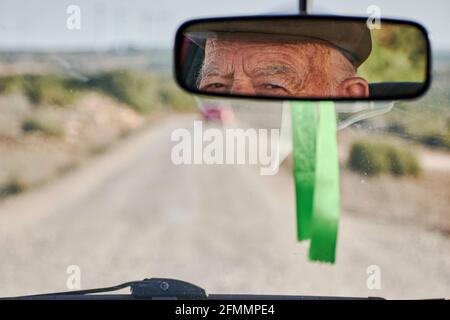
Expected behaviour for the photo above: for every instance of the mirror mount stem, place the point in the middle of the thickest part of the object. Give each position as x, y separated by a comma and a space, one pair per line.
304, 6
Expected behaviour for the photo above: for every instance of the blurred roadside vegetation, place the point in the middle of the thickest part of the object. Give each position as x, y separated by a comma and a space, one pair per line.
372, 157
425, 120
11, 187
143, 92
428, 126
398, 54
45, 123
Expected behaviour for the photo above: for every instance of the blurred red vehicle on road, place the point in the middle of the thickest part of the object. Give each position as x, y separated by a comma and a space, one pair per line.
218, 113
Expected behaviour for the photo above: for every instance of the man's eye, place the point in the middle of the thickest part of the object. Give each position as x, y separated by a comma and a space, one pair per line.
271, 89
271, 86
215, 86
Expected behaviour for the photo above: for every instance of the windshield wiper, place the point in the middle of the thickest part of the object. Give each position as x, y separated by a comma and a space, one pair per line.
155, 288
163, 289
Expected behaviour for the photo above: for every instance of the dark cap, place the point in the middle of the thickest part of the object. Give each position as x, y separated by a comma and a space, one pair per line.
351, 37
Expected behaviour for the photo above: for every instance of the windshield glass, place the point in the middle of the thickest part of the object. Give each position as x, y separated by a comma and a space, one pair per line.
101, 182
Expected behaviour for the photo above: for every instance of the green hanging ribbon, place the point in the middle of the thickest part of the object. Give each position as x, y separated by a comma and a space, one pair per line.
304, 120
316, 174
326, 196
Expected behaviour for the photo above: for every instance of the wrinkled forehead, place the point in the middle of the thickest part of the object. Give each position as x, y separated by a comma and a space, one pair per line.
275, 57
270, 58
218, 49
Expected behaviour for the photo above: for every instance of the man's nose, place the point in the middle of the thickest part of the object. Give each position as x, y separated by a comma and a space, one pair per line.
242, 87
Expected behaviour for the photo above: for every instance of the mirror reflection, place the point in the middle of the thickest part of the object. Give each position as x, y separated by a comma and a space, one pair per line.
295, 58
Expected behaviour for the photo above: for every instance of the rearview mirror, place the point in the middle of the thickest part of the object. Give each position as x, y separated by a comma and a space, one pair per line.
303, 57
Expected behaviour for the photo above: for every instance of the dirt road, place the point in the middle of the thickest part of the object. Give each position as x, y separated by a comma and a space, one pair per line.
131, 214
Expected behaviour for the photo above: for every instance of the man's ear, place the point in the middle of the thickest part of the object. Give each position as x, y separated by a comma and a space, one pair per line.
355, 87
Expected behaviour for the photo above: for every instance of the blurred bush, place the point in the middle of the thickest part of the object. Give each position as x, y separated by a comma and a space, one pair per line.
134, 89
40, 89
45, 123
143, 92
435, 139
11, 187
371, 157
48, 89
10, 83
174, 97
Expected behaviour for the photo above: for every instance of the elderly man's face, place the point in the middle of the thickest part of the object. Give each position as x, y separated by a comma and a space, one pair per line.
304, 69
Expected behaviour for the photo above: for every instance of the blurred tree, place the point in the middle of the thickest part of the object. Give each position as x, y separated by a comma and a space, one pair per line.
398, 54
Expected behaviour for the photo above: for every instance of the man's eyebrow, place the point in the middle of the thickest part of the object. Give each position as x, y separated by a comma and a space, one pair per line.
212, 71
274, 69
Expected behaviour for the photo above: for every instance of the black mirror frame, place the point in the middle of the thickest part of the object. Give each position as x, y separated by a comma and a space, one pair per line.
179, 38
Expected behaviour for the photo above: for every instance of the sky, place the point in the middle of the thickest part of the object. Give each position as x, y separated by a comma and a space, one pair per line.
41, 24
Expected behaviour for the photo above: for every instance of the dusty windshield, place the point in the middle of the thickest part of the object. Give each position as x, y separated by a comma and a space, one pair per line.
95, 191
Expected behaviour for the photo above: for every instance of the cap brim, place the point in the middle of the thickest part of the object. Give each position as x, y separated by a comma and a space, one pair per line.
351, 37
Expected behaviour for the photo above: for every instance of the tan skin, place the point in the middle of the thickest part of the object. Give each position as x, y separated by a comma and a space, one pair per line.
302, 69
